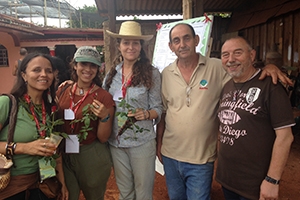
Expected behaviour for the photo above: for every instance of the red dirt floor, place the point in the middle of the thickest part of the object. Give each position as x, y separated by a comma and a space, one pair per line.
289, 186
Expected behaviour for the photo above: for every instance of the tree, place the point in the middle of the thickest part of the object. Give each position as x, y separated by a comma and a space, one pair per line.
86, 17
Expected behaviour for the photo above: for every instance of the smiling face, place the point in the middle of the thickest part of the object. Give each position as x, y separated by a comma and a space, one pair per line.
86, 72
182, 41
237, 58
130, 49
38, 74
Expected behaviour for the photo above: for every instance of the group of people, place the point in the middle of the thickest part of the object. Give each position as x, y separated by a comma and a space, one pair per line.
191, 101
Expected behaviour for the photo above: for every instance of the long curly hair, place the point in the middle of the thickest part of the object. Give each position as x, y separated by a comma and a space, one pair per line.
141, 71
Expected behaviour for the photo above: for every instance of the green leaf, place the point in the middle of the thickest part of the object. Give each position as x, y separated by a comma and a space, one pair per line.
53, 163
86, 108
87, 122
64, 135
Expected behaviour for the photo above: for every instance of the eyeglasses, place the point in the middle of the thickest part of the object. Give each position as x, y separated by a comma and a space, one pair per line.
188, 99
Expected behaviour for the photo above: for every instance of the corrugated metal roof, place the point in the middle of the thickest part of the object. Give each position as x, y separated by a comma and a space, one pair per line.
35, 8
261, 14
169, 7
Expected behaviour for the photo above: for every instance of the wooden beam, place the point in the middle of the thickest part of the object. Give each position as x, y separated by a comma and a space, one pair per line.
111, 6
198, 8
187, 9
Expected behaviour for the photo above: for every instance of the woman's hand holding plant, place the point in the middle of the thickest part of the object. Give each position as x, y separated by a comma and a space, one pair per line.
99, 109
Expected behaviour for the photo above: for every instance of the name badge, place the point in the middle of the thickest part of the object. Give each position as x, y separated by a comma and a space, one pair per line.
72, 144
118, 95
69, 114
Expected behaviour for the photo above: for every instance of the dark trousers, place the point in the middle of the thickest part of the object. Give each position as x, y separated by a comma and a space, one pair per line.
34, 194
229, 195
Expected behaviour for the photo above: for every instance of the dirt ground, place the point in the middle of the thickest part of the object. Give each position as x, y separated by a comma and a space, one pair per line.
289, 186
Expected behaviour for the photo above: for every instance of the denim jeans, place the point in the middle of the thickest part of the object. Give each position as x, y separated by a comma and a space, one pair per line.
230, 195
188, 181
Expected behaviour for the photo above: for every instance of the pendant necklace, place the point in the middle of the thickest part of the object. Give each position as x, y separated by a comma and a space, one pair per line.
81, 91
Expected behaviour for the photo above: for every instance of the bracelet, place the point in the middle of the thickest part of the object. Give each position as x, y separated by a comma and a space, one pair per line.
106, 118
10, 148
148, 114
144, 111
272, 180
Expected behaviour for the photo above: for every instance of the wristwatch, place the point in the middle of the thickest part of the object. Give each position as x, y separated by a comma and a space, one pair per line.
272, 180
106, 118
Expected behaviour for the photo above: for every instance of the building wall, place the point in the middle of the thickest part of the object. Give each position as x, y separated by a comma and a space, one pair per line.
281, 33
6, 77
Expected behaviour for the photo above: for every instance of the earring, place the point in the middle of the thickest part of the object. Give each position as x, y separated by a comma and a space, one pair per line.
121, 58
49, 96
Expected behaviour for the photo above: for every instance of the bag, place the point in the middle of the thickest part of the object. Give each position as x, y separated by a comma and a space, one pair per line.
5, 165
51, 187
6, 160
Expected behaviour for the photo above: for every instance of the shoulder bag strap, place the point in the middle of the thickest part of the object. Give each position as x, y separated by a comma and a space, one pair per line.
12, 118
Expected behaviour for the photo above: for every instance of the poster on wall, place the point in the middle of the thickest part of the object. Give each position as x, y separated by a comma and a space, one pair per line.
163, 56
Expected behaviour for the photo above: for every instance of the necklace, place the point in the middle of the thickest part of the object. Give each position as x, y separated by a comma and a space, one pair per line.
37, 122
126, 82
81, 91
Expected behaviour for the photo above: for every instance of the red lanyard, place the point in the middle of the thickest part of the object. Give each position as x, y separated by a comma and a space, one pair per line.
30, 104
75, 107
125, 85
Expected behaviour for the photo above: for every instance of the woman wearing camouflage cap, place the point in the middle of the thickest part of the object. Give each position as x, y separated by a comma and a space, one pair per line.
87, 161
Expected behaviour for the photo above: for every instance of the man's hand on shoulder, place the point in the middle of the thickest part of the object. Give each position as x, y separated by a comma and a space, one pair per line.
275, 73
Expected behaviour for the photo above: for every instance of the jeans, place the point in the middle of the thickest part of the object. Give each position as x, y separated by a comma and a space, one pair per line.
188, 181
229, 195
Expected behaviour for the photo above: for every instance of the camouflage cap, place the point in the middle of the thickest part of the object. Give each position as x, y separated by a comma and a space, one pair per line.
88, 54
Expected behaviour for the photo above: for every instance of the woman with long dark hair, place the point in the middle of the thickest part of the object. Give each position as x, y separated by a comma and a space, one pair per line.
35, 92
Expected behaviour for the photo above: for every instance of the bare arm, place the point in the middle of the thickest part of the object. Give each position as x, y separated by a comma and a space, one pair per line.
160, 129
280, 153
275, 73
40, 147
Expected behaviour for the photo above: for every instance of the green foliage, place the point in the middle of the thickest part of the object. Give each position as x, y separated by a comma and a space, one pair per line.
86, 17
88, 115
89, 9
130, 122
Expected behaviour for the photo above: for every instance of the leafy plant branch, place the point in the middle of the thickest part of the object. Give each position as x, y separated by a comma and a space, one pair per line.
88, 115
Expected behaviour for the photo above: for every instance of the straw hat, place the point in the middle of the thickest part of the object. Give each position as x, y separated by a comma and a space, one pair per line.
130, 30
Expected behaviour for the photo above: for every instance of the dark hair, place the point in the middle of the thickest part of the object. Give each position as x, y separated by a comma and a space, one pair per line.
20, 88
191, 28
97, 80
23, 52
63, 70
141, 71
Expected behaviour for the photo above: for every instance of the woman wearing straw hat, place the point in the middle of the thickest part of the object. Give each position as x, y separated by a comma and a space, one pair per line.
135, 82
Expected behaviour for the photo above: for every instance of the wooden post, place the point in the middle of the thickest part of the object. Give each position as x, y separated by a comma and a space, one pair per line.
198, 8
108, 45
111, 8
187, 9
109, 42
